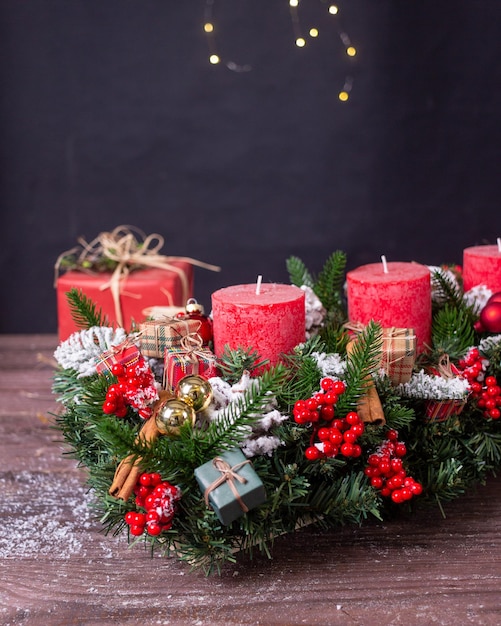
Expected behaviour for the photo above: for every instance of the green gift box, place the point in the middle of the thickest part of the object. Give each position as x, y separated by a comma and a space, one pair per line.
230, 485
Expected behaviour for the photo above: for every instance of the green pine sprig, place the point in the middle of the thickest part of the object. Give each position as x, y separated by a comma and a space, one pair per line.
361, 364
84, 311
234, 362
299, 275
452, 331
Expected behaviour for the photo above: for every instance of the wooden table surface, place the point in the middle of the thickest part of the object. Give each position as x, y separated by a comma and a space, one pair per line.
57, 567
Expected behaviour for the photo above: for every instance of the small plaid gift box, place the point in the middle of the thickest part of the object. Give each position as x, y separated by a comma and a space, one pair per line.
190, 358
159, 335
441, 410
399, 354
125, 354
230, 485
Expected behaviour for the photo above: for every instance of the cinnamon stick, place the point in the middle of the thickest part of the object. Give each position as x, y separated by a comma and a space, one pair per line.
128, 469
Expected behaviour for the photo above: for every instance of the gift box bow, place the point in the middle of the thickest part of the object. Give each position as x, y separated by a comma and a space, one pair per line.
122, 247
228, 475
166, 332
190, 351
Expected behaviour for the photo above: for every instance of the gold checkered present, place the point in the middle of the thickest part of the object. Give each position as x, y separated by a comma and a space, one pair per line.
165, 334
399, 354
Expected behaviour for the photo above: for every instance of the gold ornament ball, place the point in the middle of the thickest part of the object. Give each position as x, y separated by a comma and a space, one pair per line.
172, 414
195, 391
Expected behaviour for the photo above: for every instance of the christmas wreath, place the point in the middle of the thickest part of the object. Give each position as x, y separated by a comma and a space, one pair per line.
237, 453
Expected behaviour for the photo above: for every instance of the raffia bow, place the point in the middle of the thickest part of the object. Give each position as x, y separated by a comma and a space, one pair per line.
122, 246
228, 475
444, 367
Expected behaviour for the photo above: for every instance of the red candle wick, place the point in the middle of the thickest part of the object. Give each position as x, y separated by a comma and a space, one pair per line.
258, 284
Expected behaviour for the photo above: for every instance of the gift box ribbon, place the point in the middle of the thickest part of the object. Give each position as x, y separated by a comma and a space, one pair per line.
122, 246
192, 348
228, 475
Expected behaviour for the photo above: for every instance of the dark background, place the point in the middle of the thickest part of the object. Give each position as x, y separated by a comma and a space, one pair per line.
110, 114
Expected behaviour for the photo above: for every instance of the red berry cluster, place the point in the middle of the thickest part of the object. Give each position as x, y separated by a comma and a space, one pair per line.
485, 389
135, 387
337, 435
386, 471
159, 499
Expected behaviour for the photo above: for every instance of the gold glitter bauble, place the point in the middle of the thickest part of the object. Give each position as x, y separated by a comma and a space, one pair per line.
195, 391
172, 414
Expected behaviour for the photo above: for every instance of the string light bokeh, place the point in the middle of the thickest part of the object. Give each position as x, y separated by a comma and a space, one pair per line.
302, 38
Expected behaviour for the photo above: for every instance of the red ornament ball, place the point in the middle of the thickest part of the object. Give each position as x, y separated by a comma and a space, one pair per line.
496, 297
490, 317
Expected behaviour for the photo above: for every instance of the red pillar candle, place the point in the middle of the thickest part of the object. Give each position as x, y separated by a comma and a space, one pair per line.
482, 266
272, 321
399, 297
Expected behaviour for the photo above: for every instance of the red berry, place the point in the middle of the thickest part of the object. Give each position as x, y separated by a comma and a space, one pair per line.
327, 412
352, 418
129, 517
312, 404
326, 383
374, 460
397, 497
417, 489
400, 449
376, 482
109, 407
357, 451
117, 369
155, 478
145, 479
392, 435
347, 449
358, 428
153, 528
136, 530
396, 464
336, 436
490, 381
330, 397
339, 387
349, 436
494, 414
330, 449
312, 453
324, 434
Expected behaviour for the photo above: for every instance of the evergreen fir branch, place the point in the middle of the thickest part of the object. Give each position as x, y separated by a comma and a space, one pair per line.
329, 284
84, 311
235, 421
233, 363
350, 499
447, 290
298, 273
452, 331
361, 364
334, 335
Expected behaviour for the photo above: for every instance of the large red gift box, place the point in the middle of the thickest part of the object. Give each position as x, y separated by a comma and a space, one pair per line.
139, 290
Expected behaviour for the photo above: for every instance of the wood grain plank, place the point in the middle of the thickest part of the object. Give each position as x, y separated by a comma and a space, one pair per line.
58, 568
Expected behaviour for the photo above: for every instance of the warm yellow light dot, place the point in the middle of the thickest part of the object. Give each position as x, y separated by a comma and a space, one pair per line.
293, 3
208, 27
214, 59
351, 51
333, 9
313, 32
300, 42
343, 96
